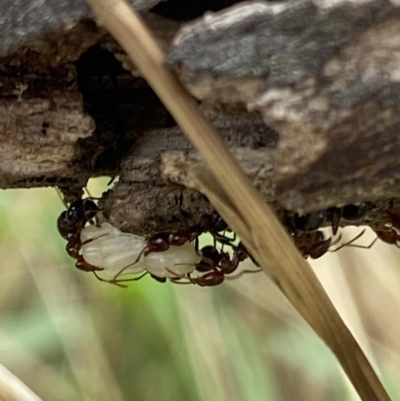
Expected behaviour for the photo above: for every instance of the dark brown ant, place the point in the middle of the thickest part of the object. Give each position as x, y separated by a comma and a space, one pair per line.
309, 222
216, 265
389, 235
76, 216
70, 224
297, 223
356, 212
211, 257
305, 230
315, 245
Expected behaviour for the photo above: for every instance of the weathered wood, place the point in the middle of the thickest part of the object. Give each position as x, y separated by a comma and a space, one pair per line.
324, 75
39, 130
145, 198
22, 21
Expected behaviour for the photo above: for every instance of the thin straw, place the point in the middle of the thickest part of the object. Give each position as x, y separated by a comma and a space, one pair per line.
13, 389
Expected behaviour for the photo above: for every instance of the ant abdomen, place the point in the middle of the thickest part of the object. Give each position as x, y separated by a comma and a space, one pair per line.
210, 279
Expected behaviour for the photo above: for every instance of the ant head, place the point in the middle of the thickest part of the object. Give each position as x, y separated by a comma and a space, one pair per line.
210, 252
320, 248
81, 211
77, 215
309, 222
213, 222
62, 225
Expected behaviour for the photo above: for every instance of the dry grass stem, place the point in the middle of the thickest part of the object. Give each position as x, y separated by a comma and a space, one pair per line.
13, 389
238, 201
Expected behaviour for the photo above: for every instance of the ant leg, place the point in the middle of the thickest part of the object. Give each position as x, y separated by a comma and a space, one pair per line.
128, 266
339, 238
360, 246
176, 280
224, 237
349, 243
108, 281
61, 198
234, 236
88, 241
224, 240
117, 282
240, 274
88, 193
112, 179
196, 246
122, 280
177, 276
366, 246
114, 279
179, 203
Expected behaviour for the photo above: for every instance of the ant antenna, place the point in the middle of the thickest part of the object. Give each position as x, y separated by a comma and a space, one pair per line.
119, 281
350, 243
88, 193
61, 197
112, 179
240, 274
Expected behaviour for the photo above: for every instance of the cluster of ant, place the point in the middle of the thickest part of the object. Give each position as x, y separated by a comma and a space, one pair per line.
164, 256
175, 256
311, 241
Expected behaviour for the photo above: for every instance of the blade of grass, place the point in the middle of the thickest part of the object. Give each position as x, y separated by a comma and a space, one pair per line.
264, 236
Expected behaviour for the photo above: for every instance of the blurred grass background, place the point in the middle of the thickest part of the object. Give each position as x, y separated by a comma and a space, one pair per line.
70, 337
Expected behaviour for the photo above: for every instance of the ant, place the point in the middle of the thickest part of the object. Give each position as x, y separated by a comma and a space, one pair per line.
70, 224
310, 241
314, 221
216, 265
309, 222
389, 235
315, 245
303, 223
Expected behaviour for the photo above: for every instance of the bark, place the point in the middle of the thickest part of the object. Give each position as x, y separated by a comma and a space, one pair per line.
320, 79
324, 75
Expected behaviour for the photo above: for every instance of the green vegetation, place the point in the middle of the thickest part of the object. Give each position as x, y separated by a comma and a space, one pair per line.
70, 337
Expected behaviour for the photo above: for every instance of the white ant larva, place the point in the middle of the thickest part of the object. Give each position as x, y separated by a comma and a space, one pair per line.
180, 260
118, 253
105, 246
